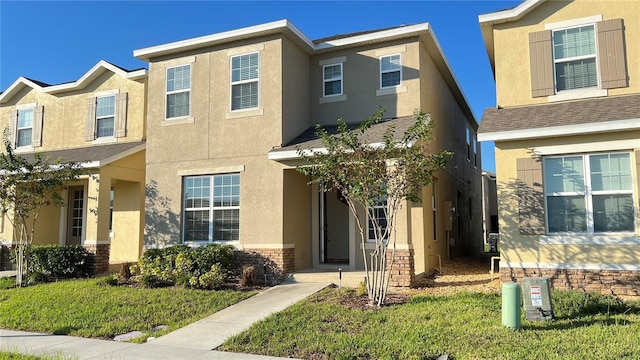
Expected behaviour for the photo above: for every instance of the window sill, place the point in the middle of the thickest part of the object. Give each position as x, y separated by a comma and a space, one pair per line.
578, 94
600, 239
178, 121
234, 114
23, 149
391, 90
205, 243
332, 99
105, 140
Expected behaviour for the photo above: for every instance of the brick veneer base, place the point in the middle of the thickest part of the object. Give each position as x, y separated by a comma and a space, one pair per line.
616, 282
277, 262
403, 273
101, 252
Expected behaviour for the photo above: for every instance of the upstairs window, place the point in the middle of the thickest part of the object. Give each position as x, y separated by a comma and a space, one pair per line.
390, 71
468, 133
24, 129
244, 81
105, 116
332, 79
178, 91
574, 55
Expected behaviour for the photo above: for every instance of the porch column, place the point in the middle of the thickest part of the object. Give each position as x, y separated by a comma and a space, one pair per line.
97, 224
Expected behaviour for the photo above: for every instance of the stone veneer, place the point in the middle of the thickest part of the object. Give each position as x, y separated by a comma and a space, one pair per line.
277, 262
403, 273
616, 282
101, 252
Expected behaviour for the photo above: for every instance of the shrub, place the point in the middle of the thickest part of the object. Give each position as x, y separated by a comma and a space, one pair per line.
248, 276
55, 262
204, 267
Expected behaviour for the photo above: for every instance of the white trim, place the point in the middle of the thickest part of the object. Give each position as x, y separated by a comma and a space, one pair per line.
212, 171
178, 120
93, 73
105, 140
341, 59
370, 245
332, 99
568, 266
573, 94
390, 51
109, 160
381, 72
172, 92
241, 113
324, 80
105, 93
573, 22
398, 89
510, 14
26, 106
612, 239
586, 147
21, 81
233, 83
245, 49
562, 130
266, 246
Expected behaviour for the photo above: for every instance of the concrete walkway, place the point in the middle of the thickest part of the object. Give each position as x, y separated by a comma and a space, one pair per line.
194, 341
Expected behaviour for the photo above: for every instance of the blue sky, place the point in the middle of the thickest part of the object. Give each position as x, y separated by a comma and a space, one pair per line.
56, 42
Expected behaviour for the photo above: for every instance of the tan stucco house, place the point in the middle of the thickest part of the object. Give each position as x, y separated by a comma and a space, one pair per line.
98, 120
567, 135
226, 113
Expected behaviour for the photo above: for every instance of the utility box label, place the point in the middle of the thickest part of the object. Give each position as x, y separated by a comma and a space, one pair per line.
537, 298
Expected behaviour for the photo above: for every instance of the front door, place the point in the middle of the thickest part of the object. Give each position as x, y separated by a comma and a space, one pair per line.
75, 215
335, 229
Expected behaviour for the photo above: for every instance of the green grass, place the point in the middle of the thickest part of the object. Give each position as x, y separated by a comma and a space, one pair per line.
5, 355
464, 325
88, 309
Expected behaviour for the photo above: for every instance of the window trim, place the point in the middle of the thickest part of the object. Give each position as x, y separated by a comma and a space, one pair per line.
113, 116
588, 195
167, 92
399, 70
377, 205
26, 107
576, 58
341, 79
242, 82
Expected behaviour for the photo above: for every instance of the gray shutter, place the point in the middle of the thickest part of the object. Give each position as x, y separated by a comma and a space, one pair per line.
120, 123
530, 196
36, 135
13, 124
541, 60
90, 128
611, 57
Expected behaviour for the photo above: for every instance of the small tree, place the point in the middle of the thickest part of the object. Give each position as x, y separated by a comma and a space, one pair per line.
367, 172
25, 188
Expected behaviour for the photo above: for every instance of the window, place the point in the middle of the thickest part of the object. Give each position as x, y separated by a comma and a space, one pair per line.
25, 127
244, 81
468, 144
332, 79
574, 55
212, 208
390, 71
178, 91
380, 213
590, 193
105, 115
475, 151
111, 193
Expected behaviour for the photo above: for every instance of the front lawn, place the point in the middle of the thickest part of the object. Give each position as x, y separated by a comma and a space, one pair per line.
463, 325
88, 308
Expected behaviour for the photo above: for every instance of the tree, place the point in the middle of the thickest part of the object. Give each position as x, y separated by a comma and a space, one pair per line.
27, 186
366, 173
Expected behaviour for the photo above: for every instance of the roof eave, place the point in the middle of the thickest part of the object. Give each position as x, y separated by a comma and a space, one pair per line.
509, 15
92, 74
17, 85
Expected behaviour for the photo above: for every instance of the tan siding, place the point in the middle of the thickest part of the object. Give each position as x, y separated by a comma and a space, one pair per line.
613, 70
530, 196
541, 57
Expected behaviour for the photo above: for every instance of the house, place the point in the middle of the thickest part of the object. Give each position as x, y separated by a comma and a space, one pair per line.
98, 120
227, 111
567, 135
489, 206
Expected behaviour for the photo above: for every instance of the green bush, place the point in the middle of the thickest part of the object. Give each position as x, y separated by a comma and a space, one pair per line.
55, 262
204, 267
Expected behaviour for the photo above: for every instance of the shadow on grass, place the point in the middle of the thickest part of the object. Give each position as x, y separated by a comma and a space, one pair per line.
66, 330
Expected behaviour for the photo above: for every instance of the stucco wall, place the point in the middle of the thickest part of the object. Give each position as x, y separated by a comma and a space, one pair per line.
511, 43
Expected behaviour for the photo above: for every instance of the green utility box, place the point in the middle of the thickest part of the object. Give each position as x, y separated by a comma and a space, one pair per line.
537, 298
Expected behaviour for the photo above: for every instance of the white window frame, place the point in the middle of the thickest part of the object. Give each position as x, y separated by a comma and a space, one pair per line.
576, 58
378, 206
325, 80
31, 108
211, 209
588, 194
242, 82
399, 70
113, 116
167, 92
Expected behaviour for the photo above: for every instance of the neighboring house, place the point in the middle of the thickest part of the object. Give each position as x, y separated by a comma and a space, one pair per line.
98, 120
567, 136
226, 112
489, 205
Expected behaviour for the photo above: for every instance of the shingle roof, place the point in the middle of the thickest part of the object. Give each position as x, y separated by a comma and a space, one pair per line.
342, 36
87, 154
566, 113
309, 140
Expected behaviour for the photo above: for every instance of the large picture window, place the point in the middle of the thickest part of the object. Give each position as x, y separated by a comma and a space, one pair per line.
244, 81
591, 193
178, 91
574, 54
212, 208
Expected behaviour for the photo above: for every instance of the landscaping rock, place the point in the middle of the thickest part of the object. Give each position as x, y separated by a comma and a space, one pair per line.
128, 336
159, 328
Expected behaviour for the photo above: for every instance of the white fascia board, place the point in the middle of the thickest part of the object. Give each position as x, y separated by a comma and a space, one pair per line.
509, 14
294, 154
138, 74
564, 130
21, 81
96, 70
378, 35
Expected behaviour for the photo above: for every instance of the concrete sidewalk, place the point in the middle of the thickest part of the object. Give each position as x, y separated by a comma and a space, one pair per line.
194, 341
